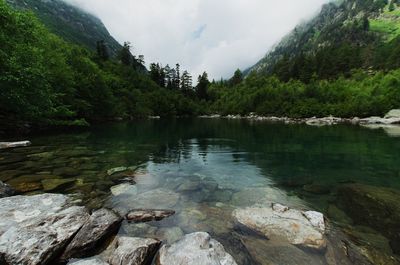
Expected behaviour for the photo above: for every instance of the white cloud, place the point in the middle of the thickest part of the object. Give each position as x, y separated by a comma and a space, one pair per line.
218, 36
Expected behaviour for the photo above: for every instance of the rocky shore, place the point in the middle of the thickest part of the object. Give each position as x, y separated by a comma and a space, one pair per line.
391, 119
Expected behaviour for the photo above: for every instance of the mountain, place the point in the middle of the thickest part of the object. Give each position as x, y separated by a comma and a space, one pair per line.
345, 35
69, 22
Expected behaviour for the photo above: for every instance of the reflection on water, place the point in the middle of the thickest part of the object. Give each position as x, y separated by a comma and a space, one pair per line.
204, 169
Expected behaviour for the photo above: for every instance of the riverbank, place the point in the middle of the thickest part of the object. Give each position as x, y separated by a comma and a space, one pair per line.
391, 118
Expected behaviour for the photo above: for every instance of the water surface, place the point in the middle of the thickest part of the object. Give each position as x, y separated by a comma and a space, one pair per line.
204, 169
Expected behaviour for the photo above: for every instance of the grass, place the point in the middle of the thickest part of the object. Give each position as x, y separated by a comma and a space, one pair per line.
391, 28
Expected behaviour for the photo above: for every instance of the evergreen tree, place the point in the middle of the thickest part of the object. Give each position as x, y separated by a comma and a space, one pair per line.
237, 78
102, 51
125, 55
202, 86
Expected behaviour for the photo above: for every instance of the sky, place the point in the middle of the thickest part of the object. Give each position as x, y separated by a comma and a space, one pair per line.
217, 36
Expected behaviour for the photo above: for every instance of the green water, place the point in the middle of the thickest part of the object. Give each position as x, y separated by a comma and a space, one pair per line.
204, 169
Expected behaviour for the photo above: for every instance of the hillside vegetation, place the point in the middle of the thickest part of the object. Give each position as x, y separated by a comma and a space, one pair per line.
46, 81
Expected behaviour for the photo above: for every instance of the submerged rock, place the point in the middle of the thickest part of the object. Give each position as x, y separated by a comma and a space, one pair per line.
376, 207
195, 249
101, 224
115, 170
34, 229
277, 221
6, 190
4, 145
142, 215
56, 184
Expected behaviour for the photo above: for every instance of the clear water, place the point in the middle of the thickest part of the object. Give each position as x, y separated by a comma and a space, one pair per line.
204, 169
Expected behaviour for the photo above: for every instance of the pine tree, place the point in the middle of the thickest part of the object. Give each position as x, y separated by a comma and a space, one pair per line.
202, 86
102, 51
125, 55
177, 79
237, 78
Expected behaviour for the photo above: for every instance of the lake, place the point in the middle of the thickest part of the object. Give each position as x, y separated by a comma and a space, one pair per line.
206, 168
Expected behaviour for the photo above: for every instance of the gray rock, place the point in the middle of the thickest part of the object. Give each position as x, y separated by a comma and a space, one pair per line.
170, 234
279, 222
131, 251
142, 215
393, 114
101, 224
195, 249
6, 190
90, 261
4, 145
34, 229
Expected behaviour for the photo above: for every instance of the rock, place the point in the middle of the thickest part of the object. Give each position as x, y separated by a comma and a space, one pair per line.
137, 230
116, 170
195, 249
6, 190
376, 207
299, 228
27, 187
90, 261
4, 145
153, 199
132, 251
141, 215
323, 121
56, 184
389, 129
393, 114
379, 120
266, 253
170, 234
101, 224
34, 229
123, 188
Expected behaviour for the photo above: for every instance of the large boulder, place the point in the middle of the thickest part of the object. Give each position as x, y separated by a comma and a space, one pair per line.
300, 228
6, 190
376, 207
34, 229
101, 224
147, 215
195, 249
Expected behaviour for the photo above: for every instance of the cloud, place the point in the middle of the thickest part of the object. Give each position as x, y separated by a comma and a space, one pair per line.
217, 36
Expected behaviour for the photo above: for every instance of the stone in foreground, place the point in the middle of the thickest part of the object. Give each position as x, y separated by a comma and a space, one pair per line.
132, 251
4, 145
142, 215
195, 249
34, 229
300, 228
90, 261
101, 224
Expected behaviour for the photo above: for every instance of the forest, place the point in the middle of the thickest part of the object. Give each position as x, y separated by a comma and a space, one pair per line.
46, 81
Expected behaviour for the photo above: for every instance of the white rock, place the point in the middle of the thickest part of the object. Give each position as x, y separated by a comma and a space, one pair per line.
393, 114
316, 219
123, 188
4, 145
132, 251
290, 225
33, 229
195, 249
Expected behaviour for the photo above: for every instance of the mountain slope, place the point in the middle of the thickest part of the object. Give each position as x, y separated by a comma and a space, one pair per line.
70, 22
346, 34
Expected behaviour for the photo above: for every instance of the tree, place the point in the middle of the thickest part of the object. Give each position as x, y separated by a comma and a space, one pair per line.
102, 50
237, 78
177, 79
391, 6
186, 81
125, 55
202, 86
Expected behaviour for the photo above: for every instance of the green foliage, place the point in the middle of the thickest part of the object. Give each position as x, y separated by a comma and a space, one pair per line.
361, 95
46, 81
